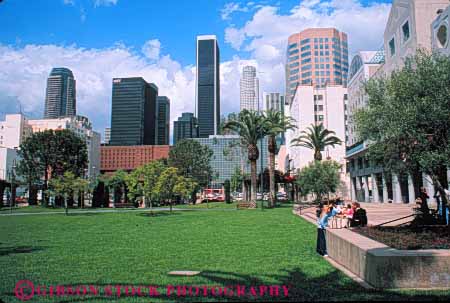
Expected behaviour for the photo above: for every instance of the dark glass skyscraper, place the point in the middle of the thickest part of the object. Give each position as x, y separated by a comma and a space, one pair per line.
185, 127
133, 114
163, 120
207, 105
60, 97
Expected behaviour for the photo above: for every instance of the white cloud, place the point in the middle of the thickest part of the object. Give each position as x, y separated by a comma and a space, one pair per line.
231, 8
264, 36
235, 37
69, 2
98, 3
24, 71
151, 49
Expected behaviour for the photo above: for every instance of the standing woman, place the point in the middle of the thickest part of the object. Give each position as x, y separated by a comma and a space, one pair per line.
322, 223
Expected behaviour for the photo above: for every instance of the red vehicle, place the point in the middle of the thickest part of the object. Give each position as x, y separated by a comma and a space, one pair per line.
214, 195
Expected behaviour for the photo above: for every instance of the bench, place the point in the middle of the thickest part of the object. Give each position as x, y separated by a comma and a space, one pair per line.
244, 205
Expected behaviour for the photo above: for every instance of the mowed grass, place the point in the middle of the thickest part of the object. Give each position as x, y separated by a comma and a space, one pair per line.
248, 247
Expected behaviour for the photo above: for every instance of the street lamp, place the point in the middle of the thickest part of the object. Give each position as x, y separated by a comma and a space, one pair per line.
13, 190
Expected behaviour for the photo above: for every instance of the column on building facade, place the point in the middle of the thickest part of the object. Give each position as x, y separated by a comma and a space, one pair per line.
366, 189
448, 178
385, 196
375, 193
396, 189
411, 192
428, 184
352, 189
358, 187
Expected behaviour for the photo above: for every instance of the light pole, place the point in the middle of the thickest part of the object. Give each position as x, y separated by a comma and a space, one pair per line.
13, 190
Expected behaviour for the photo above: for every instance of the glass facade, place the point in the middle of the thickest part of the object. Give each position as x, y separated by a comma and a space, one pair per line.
163, 120
185, 127
208, 86
229, 154
60, 98
133, 114
319, 45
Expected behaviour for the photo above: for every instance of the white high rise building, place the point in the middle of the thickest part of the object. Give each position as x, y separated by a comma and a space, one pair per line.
312, 106
249, 88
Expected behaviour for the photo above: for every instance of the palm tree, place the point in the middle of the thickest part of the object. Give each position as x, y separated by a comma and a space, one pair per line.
316, 138
275, 123
249, 125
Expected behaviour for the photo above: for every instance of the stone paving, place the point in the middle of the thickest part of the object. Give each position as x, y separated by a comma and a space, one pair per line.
378, 213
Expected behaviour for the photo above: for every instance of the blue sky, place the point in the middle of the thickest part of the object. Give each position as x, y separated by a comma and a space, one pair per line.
101, 39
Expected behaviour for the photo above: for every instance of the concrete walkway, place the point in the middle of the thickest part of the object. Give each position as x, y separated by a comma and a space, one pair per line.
378, 213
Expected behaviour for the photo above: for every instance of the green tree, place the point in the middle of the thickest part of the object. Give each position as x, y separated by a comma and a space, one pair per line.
276, 123
192, 160
249, 125
117, 183
67, 186
51, 152
236, 179
319, 178
317, 138
171, 184
406, 121
142, 181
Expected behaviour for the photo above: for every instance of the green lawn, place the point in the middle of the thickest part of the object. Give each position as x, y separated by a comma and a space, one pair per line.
251, 247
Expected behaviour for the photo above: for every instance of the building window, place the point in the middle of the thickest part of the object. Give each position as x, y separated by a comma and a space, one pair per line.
442, 35
405, 30
392, 46
292, 45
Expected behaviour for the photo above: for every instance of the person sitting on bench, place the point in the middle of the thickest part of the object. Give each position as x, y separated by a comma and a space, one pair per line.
359, 216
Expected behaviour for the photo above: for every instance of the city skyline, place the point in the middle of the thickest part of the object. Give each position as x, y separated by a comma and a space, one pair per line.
157, 58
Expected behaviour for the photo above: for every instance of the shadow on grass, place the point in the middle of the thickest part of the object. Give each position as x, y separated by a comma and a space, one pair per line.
158, 214
301, 287
10, 250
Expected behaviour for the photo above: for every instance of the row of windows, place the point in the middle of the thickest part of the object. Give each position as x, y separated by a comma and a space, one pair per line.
295, 64
304, 48
291, 46
306, 54
406, 34
307, 74
294, 71
304, 41
307, 60
295, 51
322, 73
293, 58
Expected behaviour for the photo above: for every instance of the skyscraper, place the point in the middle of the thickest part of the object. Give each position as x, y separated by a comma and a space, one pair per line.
318, 57
60, 98
207, 107
133, 114
185, 127
163, 120
275, 101
249, 89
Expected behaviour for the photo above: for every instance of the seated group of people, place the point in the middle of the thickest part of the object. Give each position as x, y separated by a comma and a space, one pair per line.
355, 215
352, 213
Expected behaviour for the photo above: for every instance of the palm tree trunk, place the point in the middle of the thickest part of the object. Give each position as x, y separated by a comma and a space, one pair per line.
272, 179
254, 183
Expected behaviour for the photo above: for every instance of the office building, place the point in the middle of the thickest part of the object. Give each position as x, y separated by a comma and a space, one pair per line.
185, 127
317, 57
162, 120
440, 32
133, 114
60, 97
13, 130
83, 128
275, 101
313, 106
129, 158
229, 154
107, 135
207, 106
412, 25
249, 89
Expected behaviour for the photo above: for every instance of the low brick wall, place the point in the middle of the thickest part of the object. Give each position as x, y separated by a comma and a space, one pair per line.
384, 267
